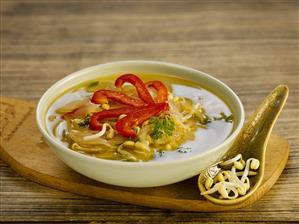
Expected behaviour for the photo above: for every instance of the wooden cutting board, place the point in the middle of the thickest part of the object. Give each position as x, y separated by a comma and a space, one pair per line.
23, 149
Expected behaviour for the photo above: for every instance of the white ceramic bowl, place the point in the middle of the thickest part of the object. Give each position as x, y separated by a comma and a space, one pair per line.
140, 174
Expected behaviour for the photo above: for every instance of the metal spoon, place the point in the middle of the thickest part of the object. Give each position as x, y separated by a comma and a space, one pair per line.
252, 141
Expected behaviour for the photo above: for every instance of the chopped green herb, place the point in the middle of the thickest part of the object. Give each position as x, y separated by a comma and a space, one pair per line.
206, 119
114, 119
223, 116
162, 126
161, 153
184, 149
63, 134
85, 121
201, 116
93, 84
96, 85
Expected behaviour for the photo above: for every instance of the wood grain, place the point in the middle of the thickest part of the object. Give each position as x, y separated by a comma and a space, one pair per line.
250, 45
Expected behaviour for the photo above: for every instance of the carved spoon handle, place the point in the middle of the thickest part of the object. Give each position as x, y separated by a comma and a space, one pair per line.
259, 126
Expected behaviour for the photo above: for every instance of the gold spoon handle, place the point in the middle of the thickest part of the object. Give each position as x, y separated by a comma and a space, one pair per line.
259, 126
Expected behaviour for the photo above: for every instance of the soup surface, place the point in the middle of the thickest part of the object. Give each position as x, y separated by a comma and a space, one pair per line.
143, 118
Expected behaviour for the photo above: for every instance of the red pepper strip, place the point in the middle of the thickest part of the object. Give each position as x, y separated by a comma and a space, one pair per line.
141, 89
102, 96
97, 117
162, 93
74, 114
125, 125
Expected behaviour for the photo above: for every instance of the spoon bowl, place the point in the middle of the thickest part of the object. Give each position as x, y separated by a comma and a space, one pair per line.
252, 141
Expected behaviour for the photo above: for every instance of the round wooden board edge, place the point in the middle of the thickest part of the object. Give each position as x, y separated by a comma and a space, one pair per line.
165, 203
138, 199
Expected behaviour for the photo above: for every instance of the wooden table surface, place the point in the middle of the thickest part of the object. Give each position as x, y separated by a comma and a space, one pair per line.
251, 46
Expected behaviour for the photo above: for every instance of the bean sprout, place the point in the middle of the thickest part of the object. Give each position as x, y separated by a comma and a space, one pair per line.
227, 183
231, 161
99, 134
75, 146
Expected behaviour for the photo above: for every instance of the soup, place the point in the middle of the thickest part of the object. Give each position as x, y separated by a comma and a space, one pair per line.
132, 118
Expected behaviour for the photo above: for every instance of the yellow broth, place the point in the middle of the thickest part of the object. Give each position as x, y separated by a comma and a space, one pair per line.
205, 138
